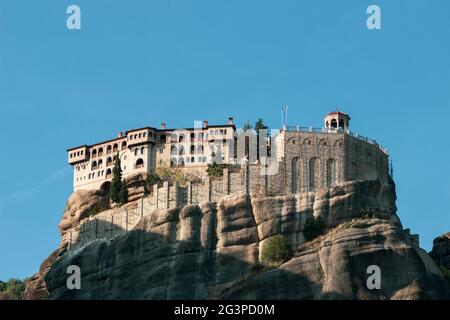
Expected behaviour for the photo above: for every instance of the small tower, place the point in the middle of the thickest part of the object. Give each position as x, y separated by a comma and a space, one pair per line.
337, 120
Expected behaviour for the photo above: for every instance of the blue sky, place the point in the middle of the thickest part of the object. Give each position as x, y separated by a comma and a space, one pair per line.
137, 63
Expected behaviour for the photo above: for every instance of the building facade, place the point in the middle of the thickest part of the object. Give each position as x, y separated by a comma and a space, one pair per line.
307, 158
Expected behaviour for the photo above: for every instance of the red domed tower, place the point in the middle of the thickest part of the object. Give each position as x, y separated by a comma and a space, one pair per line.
337, 120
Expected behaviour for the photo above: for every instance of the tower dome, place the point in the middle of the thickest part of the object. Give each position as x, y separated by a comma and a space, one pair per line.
337, 120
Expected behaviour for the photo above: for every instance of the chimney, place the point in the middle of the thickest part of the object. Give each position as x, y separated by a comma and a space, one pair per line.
205, 123
163, 125
230, 120
120, 134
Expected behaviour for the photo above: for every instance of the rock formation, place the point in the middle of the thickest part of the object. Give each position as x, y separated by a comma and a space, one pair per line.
441, 250
213, 250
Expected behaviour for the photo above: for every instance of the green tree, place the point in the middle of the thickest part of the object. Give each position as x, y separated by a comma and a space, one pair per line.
247, 126
214, 170
259, 125
13, 289
260, 128
116, 182
123, 193
275, 250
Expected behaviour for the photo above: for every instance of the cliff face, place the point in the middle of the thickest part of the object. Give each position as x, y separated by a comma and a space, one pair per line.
212, 251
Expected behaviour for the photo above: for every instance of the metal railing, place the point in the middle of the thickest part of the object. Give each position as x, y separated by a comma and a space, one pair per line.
334, 131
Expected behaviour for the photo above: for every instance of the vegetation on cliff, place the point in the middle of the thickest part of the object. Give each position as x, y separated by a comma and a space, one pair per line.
118, 192
275, 251
13, 289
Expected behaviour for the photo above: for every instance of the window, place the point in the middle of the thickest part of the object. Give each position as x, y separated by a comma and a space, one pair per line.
294, 175
94, 153
200, 149
192, 136
124, 145
100, 151
94, 165
142, 150
162, 138
331, 173
192, 149
100, 162
108, 173
312, 173
115, 147
108, 161
173, 150
108, 149
139, 163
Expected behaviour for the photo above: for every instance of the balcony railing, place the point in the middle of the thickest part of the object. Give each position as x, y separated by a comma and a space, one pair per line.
333, 131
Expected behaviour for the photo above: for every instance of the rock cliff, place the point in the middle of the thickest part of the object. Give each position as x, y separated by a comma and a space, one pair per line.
213, 251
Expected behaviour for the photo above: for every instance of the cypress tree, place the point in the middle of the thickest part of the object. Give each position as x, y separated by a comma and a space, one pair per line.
123, 193
116, 183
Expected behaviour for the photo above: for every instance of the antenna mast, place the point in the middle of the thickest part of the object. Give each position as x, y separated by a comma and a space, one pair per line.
284, 113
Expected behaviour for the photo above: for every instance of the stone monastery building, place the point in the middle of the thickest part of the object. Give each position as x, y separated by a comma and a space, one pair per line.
307, 158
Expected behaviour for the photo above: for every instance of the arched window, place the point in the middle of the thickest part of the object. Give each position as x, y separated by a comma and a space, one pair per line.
108, 173
200, 136
124, 145
94, 153
94, 165
116, 147
192, 136
142, 150
192, 159
99, 163
108, 161
136, 151
173, 138
200, 149
294, 174
341, 124
173, 162
181, 150
181, 138
139, 163
333, 124
331, 173
247, 147
181, 162
100, 151
162, 138
312, 173
173, 150
108, 149
192, 149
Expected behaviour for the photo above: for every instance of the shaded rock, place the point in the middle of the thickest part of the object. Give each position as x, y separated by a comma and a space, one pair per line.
441, 250
137, 186
212, 250
80, 205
